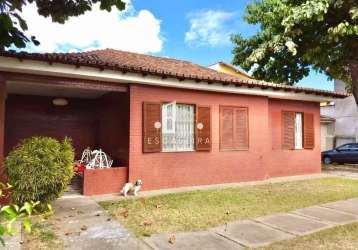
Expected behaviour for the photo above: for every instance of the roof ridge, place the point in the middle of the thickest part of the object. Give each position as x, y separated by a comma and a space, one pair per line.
156, 57
140, 54
90, 52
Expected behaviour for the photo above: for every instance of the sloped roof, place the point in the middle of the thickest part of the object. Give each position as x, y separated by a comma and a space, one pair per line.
161, 66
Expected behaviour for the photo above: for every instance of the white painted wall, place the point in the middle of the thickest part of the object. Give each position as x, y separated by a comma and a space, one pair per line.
327, 135
345, 111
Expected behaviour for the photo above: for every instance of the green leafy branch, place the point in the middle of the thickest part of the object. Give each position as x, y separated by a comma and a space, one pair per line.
10, 214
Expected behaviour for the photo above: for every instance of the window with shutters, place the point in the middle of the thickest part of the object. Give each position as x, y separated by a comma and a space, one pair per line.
234, 128
178, 127
173, 127
298, 130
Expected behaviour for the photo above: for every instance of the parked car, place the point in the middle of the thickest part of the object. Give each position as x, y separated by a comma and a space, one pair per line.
346, 153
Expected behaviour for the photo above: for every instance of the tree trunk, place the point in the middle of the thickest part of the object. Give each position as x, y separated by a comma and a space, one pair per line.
353, 67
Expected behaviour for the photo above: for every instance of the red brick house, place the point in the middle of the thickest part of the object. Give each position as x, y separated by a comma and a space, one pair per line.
168, 122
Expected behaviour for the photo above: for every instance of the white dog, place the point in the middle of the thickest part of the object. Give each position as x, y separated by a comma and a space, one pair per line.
130, 187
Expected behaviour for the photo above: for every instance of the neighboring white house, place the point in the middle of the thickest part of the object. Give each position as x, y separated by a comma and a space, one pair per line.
339, 120
230, 69
327, 132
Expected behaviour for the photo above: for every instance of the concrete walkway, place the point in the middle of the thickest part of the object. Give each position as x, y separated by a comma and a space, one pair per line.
84, 224
262, 231
14, 242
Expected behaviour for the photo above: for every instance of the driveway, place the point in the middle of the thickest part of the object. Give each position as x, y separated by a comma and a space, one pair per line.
348, 170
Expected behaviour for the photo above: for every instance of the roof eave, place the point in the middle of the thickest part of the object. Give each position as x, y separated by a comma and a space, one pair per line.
115, 74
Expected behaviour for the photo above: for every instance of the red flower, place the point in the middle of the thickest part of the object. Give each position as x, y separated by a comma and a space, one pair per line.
79, 168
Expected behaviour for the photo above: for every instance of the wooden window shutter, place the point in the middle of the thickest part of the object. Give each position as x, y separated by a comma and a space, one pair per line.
226, 128
203, 128
152, 127
234, 128
288, 133
241, 135
308, 131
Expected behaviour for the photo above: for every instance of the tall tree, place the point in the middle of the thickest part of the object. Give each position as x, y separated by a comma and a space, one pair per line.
13, 27
298, 35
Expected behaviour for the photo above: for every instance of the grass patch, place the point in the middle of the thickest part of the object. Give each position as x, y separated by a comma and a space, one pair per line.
202, 209
42, 237
340, 237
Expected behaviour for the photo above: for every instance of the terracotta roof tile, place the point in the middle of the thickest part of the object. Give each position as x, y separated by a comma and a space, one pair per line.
165, 67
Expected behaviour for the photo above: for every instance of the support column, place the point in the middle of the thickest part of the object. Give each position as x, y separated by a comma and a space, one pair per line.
2, 124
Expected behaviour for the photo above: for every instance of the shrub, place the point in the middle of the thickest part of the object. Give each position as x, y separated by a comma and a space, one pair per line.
39, 169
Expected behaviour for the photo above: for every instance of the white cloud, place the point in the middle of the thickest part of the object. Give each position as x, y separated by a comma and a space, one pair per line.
209, 28
131, 30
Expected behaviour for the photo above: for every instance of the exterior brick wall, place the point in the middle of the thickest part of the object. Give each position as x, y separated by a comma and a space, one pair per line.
104, 181
28, 116
292, 162
263, 159
112, 133
96, 123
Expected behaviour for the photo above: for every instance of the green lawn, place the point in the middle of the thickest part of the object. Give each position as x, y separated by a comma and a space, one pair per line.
341, 237
202, 209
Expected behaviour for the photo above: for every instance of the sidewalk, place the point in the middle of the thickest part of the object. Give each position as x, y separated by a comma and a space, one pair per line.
262, 231
85, 225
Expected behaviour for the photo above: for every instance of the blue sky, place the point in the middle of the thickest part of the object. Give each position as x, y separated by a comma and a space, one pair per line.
196, 31
176, 15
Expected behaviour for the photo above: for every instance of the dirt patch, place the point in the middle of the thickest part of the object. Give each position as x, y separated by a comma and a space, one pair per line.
42, 237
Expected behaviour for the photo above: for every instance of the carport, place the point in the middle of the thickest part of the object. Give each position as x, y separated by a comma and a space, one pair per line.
93, 114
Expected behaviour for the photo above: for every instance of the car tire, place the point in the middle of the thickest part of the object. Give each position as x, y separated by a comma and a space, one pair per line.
327, 160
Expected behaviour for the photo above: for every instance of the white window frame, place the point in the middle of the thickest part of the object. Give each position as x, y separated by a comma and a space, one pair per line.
298, 130
169, 117
179, 137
